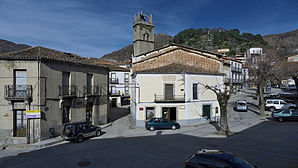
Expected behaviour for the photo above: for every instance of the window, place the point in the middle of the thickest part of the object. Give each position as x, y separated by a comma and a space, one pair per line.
275, 102
89, 83
195, 91
150, 112
126, 90
126, 77
113, 76
286, 112
65, 83
269, 102
20, 83
169, 91
206, 162
113, 89
283, 102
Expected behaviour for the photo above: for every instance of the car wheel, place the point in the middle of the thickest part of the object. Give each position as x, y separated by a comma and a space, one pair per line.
280, 119
173, 127
80, 139
272, 109
98, 133
152, 129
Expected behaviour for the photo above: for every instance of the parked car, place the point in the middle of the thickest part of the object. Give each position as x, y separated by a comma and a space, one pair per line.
79, 131
241, 105
277, 104
216, 158
272, 96
161, 123
282, 115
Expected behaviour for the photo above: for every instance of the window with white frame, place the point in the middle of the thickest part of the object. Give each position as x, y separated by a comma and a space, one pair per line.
126, 77
126, 90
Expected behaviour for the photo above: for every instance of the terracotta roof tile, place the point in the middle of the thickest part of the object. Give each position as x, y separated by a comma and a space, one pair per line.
43, 53
178, 68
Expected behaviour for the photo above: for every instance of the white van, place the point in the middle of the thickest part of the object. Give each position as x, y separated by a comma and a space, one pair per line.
277, 104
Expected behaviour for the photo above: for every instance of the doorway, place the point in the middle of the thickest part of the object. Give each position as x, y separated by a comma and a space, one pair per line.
89, 113
169, 113
20, 123
206, 111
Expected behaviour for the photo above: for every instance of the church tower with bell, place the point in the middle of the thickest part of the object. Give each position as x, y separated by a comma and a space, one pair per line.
143, 34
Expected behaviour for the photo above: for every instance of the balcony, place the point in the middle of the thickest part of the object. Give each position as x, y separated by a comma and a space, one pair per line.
114, 81
17, 92
115, 93
68, 91
169, 98
236, 81
235, 69
93, 90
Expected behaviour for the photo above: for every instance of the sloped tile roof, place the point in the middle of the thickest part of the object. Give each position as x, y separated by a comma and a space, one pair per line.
42, 53
178, 69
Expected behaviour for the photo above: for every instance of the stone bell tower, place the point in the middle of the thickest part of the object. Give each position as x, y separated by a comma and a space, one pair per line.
143, 34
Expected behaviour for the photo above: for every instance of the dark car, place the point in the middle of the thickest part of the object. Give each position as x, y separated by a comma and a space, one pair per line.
216, 158
286, 114
77, 132
161, 123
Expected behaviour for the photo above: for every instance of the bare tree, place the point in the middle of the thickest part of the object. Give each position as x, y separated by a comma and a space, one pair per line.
223, 96
261, 72
285, 69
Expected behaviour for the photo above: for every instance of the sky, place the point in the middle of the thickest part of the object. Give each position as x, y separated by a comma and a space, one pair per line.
93, 28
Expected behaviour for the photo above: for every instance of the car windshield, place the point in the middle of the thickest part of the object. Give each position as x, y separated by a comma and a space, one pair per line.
237, 162
242, 104
68, 130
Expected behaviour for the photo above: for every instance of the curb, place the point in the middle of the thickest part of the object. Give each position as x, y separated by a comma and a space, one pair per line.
45, 144
106, 125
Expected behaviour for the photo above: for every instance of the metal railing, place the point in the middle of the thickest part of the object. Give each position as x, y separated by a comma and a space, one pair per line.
67, 90
114, 80
116, 93
169, 98
92, 90
18, 91
236, 69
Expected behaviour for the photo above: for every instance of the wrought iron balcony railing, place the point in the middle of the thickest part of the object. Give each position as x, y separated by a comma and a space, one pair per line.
18, 91
92, 90
237, 81
114, 81
115, 93
236, 69
68, 90
169, 98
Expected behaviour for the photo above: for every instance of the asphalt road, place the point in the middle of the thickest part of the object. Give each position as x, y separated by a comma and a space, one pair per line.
267, 144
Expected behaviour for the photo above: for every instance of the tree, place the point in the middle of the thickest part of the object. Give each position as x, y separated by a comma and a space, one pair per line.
285, 70
261, 72
223, 96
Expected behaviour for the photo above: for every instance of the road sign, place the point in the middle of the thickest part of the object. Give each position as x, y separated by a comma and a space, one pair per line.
33, 114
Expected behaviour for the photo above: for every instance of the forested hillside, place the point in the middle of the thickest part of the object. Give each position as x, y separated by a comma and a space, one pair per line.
214, 39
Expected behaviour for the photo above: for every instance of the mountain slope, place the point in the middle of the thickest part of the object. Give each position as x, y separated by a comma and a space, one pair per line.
125, 53
286, 44
7, 46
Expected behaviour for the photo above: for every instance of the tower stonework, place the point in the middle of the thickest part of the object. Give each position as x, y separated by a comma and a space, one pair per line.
143, 34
